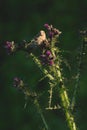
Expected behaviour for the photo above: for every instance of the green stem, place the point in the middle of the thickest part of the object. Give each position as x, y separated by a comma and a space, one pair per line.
41, 114
65, 102
63, 94
81, 54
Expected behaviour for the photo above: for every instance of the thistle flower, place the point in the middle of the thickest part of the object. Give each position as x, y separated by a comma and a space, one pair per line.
48, 52
47, 58
18, 83
52, 32
47, 26
10, 46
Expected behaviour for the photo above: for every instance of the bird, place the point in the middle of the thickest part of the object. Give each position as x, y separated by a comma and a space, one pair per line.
39, 39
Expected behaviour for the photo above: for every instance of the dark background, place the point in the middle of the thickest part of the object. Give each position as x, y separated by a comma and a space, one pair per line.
21, 20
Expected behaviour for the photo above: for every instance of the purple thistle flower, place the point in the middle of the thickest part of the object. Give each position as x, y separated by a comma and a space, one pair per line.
46, 26
47, 58
51, 62
10, 46
48, 52
52, 32
56, 32
18, 83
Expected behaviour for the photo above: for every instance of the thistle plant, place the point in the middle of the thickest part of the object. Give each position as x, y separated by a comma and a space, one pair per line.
45, 52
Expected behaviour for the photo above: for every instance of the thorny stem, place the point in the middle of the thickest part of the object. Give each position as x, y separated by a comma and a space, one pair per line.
63, 94
41, 114
66, 103
81, 54
50, 97
28, 94
51, 78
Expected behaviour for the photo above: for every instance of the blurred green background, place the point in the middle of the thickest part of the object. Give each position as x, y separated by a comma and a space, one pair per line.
21, 20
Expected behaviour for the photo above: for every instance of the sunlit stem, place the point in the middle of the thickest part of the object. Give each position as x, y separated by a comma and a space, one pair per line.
65, 102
